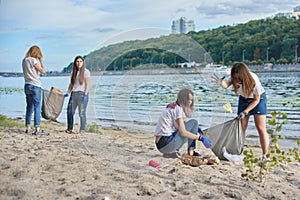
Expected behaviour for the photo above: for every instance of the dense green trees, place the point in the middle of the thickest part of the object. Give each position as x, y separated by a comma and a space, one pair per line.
267, 40
259, 40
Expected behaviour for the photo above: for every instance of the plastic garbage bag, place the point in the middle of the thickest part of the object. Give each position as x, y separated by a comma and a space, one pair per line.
52, 103
228, 135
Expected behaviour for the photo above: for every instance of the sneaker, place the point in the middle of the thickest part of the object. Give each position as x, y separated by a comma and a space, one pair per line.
172, 155
262, 160
40, 133
70, 132
178, 154
196, 154
29, 131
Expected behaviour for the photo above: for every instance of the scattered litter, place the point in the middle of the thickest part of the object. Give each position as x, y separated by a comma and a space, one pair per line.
154, 164
231, 157
227, 107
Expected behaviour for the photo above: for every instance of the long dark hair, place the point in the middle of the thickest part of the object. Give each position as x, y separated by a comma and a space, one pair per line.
245, 78
75, 70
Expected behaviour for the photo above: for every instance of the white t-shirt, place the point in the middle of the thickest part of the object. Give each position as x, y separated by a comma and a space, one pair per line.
167, 122
31, 74
258, 89
77, 87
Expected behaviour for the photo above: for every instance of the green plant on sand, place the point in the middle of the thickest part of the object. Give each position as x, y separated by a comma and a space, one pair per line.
93, 128
7, 122
257, 169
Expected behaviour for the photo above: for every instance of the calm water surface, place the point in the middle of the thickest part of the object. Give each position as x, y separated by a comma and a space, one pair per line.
136, 101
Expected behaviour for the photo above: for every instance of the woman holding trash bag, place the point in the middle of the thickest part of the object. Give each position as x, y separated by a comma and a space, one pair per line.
172, 131
252, 100
79, 88
33, 66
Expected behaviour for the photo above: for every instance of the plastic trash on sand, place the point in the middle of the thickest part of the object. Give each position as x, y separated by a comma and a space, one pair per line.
154, 164
231, 157
227, 107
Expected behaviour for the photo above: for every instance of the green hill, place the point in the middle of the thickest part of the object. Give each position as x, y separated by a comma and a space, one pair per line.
267, 40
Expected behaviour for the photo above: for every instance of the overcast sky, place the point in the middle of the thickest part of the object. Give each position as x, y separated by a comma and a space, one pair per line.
67, 28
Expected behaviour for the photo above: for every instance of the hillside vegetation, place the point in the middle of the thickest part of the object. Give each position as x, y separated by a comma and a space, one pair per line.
272, 40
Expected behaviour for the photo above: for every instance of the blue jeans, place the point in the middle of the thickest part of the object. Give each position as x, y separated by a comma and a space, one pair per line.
169, 144
33, 104
76, 99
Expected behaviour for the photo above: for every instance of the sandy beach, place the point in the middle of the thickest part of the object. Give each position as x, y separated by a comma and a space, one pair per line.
114, 164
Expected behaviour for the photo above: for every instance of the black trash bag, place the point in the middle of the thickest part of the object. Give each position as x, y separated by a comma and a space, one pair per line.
52, 104
228, 135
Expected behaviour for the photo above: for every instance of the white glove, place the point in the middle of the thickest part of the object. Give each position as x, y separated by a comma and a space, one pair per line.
242, 115
217, 79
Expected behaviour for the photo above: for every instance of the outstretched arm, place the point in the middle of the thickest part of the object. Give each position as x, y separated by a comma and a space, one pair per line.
226, 84
220, 81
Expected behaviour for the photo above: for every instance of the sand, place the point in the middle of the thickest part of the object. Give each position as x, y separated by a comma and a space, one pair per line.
114, 164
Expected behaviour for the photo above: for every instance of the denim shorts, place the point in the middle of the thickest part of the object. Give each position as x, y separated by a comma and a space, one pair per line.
260, 108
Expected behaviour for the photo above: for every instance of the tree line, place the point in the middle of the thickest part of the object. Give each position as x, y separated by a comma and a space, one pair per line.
272, 40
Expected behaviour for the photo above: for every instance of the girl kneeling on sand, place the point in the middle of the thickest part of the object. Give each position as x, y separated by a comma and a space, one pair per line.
172, 131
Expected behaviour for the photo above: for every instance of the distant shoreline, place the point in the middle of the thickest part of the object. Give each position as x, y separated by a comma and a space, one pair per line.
148, 72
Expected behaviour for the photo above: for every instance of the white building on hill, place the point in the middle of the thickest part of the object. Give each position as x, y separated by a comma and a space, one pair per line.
182, 25
295, 13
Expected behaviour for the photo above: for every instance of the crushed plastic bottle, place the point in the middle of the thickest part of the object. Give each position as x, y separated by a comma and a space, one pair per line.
231, 157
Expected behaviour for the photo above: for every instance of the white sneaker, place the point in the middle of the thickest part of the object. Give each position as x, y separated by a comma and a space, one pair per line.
262, 160
172, 155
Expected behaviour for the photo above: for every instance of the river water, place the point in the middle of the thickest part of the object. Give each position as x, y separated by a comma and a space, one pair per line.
135, 101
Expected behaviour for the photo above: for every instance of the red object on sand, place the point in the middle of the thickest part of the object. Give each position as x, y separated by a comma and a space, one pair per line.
154, 164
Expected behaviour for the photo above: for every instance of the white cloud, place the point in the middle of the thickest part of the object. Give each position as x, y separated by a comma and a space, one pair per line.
236, 7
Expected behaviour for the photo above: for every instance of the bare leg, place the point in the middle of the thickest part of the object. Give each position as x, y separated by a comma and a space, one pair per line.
260, 123
245, 125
